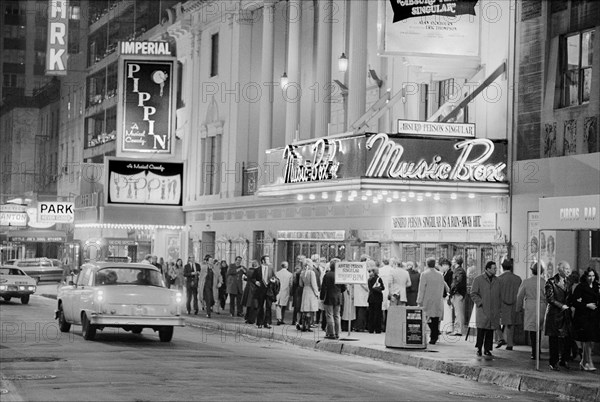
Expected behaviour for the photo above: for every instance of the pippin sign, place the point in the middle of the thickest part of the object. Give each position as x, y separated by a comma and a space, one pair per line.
57, 46
59, 212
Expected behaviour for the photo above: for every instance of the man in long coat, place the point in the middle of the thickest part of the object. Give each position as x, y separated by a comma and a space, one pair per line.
430, 297
509, 288
204, 267
191, 272
235, 286
485, 294
283, 297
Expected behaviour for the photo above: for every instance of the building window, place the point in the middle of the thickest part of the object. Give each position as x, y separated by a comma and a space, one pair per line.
576, 68
214, 55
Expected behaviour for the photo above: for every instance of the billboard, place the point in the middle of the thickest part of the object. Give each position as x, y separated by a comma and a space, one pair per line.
145, 114
140, 182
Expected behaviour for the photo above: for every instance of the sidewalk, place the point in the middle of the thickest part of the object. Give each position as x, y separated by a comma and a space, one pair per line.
451, 355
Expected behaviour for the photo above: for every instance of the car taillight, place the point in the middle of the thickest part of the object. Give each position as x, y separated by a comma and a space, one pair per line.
3, 287
99, 296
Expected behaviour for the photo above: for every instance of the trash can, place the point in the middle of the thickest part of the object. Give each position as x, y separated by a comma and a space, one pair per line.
405, 328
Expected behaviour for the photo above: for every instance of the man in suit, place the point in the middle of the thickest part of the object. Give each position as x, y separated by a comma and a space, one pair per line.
429, 296
191, 272
331, 294
283, 297
235, 286
262, 276
458, 292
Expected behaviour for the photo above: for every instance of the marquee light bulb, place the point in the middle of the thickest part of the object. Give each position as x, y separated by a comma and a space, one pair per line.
471, 195
300, 197
411, 194
311, 197
453, 196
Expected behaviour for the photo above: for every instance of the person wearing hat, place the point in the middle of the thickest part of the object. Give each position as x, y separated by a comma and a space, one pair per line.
509, 288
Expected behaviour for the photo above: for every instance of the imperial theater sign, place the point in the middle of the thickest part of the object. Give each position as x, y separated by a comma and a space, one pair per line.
145, 113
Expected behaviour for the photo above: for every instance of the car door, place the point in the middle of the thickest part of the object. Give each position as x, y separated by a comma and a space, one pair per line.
71, 300
86, 294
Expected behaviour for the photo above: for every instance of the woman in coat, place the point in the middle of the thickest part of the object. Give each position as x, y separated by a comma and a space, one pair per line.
212, 283
558, 316
430, 297
248, 299
526, 302
586, 300
310, 295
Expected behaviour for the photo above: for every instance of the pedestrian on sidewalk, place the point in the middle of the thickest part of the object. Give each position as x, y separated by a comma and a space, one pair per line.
331, 295
385, 273
413, 285
248, 299
558, 317
286, 279
375, 300
400, 282
447, 324
458, 292
509, 287
235, 286
430, 297
310, 296
586, 300
297, 290
223, 289
191, 271
211, 285
526, 302
485, 294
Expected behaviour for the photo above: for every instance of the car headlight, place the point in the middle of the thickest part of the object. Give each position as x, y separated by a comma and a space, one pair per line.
31, 288
3, 287
21, 287
178, 298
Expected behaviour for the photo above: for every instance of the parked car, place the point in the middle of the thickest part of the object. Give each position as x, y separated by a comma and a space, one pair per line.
122, 295
41, 269
16, 283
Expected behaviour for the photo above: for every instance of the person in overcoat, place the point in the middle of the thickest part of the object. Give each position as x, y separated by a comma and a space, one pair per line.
376, 288
297, 291
205, 265
485, 294
509, 287
235, 286
558, 316
430, 297
413, 289
191, 271
331, 295
310, 295
285, 287
526, 302
248, 299
210, 292
586, 300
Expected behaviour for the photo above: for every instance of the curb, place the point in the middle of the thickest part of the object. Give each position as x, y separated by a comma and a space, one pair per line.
514, 381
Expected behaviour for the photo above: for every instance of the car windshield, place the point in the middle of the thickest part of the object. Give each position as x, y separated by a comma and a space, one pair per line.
11, 271
129, 276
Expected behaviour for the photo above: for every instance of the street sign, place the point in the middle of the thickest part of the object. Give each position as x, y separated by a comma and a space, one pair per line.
56, 212
351, 272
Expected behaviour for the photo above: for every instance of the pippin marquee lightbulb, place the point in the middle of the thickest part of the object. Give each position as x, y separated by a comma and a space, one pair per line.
159, 77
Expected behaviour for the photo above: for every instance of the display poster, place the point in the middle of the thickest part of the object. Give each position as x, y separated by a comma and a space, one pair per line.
414, 326
533, 242
140, 182
146, 111
548, 252
430, 28
351, 273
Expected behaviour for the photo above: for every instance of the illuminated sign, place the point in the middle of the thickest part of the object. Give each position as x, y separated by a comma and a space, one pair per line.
432, 128
57, 44
145, 48
56, 212
575, 213
415, 222
13, 218
468, 165
145, 113
144, 182
322, 167
333, 235
404, 9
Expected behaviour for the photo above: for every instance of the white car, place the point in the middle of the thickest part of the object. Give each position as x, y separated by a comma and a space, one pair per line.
121, 295
15, 283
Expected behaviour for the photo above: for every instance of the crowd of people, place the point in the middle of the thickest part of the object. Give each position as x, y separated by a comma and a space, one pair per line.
494, 304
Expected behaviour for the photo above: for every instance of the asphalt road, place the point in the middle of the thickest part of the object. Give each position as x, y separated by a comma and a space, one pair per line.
38, 363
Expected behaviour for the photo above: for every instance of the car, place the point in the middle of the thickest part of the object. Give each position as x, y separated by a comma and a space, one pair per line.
130, 296
41, 269
16, 283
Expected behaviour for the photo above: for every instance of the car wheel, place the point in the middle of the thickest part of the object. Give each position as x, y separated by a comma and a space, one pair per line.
63, 325
137, 330
25, 299
87, 329
6, 298
165, 334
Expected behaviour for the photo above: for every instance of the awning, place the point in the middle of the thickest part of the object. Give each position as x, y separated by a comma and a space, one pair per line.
37, 236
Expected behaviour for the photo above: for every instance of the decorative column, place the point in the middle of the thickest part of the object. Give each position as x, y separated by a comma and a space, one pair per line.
357, 56
323, 106
292, 94
266, 101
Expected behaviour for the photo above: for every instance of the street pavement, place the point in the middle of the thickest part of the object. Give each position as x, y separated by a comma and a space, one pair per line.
451, 355
39, 363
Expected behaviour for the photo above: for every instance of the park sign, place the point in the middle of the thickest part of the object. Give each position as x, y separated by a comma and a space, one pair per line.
57, 42
351, 272
58, 212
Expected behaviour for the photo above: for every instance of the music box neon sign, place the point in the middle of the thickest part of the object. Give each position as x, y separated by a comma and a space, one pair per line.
469, 166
